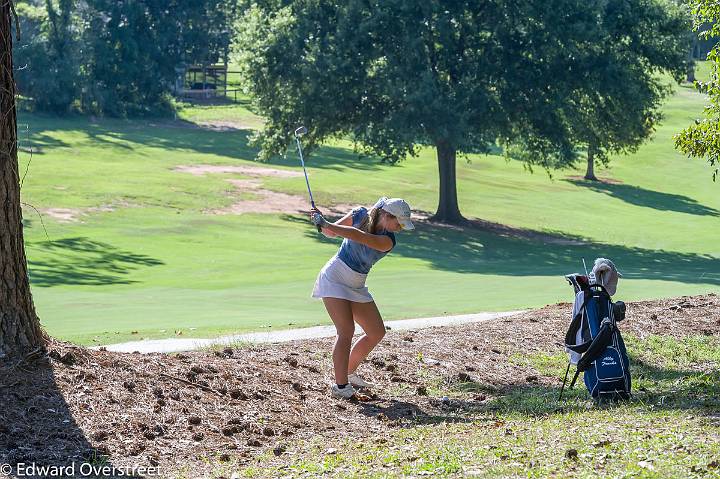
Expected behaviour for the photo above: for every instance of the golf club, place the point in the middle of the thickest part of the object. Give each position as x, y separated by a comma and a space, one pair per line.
300, 131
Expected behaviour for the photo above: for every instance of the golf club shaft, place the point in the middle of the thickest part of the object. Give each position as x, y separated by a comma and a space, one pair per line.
307, 182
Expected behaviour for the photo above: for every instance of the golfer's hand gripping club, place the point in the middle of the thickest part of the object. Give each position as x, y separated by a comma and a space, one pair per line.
319, 221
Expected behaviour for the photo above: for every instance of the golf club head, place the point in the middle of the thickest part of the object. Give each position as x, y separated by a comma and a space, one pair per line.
300, 131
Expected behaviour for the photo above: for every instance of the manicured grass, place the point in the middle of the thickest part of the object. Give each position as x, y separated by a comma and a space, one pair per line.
158, 264
668, 430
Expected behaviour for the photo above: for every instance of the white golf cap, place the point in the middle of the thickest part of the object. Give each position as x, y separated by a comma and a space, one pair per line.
399, 209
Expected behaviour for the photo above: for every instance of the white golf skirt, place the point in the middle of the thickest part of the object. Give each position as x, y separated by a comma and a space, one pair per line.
338, 280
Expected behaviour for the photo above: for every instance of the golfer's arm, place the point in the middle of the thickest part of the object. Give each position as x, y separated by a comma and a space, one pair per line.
344, 221
378, 242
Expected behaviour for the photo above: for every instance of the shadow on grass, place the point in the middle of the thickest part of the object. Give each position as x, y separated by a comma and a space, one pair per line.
37, 428
669, 389
654, 387
474, 250
672, 390
638, 196
81, 261
173, 135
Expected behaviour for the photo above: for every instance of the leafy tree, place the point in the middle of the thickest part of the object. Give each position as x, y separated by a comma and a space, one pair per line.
619, 105
135, 46
396, 75
702, 139
206, 29
115, 58
131, 56
48, 54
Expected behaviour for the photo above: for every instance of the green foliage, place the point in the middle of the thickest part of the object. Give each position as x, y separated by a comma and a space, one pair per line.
537, 77
136, 46
48, 44
395, 75
115, 58
133, 56
702, 139
619, 107
398, 74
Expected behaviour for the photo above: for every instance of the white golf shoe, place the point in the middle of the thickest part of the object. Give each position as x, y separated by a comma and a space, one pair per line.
356, 380
345, 393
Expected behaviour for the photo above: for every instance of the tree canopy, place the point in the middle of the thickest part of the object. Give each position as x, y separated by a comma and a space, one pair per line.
461, 76
115, 58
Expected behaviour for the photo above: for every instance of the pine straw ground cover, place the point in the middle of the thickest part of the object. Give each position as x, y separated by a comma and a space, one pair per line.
477, 399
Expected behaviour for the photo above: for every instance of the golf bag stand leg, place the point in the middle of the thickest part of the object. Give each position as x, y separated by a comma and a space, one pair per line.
564, 381
572, 383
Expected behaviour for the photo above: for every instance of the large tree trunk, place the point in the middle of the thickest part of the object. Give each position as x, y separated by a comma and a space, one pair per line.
20, 330
447, 210
590, 173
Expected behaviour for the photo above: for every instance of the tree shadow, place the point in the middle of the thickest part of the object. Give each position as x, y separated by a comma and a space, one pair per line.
81, 261
37, 427
30, 140
183, 135
638, 196
407, 414
522, 252
672, 389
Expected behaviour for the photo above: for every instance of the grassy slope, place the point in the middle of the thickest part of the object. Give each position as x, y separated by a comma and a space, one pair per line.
668, 431
158, 264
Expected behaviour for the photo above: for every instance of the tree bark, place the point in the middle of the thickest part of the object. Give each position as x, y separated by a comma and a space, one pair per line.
448, 210
20, 330
590, 173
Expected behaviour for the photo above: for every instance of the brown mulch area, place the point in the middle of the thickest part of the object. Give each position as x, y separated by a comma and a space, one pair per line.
75, 403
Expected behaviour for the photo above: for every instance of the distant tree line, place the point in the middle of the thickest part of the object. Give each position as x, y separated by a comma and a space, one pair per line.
117, 58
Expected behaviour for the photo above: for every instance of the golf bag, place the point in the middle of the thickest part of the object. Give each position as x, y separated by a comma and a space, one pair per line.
595, 344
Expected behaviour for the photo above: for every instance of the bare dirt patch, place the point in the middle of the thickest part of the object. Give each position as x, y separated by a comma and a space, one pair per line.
267, 201
277, 202
74, 215
63, 215
255, 171
235, 404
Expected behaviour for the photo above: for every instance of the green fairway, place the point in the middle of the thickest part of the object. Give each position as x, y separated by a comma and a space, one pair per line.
145, 258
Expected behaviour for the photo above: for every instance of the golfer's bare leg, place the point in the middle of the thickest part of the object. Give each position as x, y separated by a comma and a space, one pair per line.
368, 317
341, 314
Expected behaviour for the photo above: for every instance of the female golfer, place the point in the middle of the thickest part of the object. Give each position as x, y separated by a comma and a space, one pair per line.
369, 235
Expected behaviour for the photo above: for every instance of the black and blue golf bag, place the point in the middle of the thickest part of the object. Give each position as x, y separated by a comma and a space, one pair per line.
595, 343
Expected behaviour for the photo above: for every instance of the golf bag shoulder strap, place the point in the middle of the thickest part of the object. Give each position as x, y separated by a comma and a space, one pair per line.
571, 335
597, 346
575, 325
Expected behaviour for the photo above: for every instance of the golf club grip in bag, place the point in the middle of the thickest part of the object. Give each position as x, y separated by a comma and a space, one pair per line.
594, 335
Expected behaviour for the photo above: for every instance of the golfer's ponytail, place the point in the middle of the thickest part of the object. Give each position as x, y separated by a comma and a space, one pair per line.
370, 222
